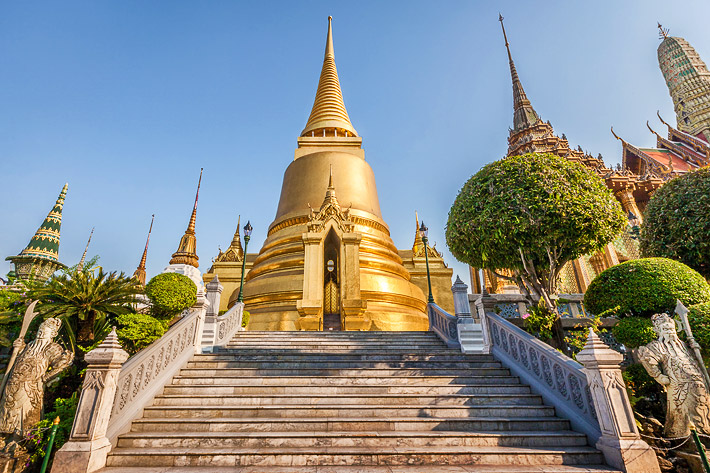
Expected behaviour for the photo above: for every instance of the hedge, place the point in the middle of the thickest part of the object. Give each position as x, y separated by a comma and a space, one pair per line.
170, 294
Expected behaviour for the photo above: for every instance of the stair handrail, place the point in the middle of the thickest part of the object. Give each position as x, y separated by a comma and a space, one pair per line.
116, 391
559, 379
145, 374
227, 324
444, 325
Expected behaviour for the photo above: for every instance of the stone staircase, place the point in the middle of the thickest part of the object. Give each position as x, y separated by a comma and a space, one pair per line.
349, 402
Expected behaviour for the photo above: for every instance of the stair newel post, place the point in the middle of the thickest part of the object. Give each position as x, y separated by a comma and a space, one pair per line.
214, 297
202, 305
620, 441
88, 445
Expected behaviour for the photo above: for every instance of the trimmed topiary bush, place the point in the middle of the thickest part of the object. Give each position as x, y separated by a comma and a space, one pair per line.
170, 294
699, 318
137, 331
645, 287
634, 331
677, 221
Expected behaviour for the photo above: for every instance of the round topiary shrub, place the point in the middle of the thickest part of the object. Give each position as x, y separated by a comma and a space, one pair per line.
699, 318
137, 331
170, 294
645, 287
677, 221
634, 331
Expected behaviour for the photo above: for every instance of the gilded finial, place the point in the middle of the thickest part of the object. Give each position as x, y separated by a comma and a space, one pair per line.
80, 266
140, 273
330, 179
662, 32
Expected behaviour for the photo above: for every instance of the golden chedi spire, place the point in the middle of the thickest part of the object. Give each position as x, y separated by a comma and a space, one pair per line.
329, 115
139, 274
418, 245
284, 289
187, 249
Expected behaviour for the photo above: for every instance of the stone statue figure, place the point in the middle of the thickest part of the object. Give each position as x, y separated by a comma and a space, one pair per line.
38, 363
669, 362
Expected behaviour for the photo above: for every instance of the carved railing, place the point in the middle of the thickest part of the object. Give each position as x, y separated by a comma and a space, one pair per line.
227, 324
560, 380
145, 374
444, 325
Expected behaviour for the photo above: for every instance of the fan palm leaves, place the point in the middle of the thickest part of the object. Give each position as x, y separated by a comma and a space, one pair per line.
88, 302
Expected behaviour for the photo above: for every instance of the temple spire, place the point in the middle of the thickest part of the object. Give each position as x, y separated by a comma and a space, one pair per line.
524, 116
40, 259
80, 266
139, 274
187, 249
662, 32
418, 244
329, 116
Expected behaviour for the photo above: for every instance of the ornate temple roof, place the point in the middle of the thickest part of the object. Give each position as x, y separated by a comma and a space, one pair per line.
677, 154
139, 274
45, 242
329, 113
187, 249
235, 252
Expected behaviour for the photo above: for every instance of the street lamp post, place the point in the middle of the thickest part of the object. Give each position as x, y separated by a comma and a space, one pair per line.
423, 233
247, 236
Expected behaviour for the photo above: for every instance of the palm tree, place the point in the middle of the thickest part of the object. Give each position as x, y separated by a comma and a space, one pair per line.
88, 302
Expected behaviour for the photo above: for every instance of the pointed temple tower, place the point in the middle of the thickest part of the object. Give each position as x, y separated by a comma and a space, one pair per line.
185, 260
343, 244
688, 81
40, 259
80, 266
139, 274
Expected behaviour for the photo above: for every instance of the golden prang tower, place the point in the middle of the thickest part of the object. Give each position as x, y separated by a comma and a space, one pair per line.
328, 260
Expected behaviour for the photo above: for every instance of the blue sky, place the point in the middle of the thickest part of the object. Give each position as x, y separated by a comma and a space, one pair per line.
127, 100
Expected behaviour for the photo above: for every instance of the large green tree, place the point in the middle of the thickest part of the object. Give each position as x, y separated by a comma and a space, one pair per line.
88, 302
530, 215
677, 221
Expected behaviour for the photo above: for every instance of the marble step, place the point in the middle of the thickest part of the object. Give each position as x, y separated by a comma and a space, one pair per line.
317, 357
337, 399
329, 334
370, 469
344, 380
352, 372
277, 350
192, 410
450, 455
323, 364
308, 390
373, 439
350, 424
343, 347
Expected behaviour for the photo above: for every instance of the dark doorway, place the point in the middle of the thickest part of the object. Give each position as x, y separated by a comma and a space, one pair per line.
331, 281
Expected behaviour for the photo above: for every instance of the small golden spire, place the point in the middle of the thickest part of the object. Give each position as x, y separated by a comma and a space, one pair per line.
80, 266
140, 273
329, 111
187, 249
418, 243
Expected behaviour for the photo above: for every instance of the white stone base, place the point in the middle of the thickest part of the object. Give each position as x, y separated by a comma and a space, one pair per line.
189, 271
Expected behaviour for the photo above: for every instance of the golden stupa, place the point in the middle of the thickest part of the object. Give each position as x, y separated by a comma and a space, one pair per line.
328, 261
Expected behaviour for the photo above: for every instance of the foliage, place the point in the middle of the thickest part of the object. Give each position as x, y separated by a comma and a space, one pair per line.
634, 332
65, 409
89, 265
699, 318
245, 318
137, 331
170, 294
677, 221
576, 339
530, 215
645, 287
87, 302
539, 322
